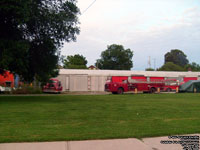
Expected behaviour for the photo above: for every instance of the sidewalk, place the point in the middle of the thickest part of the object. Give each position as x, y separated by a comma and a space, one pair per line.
115, 144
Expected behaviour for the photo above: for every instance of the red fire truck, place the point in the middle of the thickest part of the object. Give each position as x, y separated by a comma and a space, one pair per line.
132, 85
6, 82
52, 86
171, 85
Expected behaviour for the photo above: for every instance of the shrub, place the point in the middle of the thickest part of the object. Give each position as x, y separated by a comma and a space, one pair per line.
27, 90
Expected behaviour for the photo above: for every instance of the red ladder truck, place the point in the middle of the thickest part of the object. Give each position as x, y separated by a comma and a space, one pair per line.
134, 85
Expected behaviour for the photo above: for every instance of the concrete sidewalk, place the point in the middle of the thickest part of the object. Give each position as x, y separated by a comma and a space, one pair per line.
115, 144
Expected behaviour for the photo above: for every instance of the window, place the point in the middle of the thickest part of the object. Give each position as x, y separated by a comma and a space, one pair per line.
8, 83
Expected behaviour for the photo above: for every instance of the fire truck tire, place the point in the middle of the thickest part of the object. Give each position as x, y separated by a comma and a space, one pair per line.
169, 90
152, 90
120, 91
114, 92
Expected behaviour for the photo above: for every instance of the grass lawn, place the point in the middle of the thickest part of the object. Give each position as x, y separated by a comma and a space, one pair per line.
72, 117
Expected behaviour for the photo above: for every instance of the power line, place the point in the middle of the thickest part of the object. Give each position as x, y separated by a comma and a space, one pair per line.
89, 7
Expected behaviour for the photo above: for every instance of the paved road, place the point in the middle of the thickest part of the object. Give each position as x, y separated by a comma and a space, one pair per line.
115, 144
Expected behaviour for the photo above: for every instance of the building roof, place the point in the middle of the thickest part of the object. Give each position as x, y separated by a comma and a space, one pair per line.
127, 73
92, 67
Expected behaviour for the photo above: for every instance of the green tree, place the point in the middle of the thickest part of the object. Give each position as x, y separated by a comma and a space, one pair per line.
13, 45
170, 66
149, 69
115, 57
192, 67
75, 62
177, 57
32, 33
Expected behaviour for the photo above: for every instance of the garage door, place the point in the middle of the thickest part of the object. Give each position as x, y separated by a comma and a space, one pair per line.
78, 83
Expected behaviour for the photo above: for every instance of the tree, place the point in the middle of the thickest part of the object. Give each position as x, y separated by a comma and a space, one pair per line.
13, 46
75, 62
149, 69
177, 57
170, 66
192, 67
31, 34
115, 57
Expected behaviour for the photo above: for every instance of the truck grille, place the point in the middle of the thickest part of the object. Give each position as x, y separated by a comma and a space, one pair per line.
107, 87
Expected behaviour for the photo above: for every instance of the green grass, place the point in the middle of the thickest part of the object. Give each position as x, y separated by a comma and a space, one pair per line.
68, 117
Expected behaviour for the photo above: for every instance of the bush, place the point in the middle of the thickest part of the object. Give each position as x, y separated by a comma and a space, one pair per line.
27, 90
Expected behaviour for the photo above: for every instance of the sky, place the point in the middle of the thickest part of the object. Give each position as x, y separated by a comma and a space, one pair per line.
150, 28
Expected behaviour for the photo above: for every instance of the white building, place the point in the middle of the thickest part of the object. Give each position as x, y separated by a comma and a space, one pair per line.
94, 80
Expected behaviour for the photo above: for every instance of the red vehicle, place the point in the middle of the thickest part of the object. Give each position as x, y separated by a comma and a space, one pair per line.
171, 85
132, 85
6, 81
52, 86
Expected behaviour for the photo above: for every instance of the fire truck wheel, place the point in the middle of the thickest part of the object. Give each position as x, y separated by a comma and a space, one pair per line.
169, 90
152, 90
120, 91
114, 92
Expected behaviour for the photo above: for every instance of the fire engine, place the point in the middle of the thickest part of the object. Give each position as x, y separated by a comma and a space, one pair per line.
171, 85
132, 85
52, 86
6, 82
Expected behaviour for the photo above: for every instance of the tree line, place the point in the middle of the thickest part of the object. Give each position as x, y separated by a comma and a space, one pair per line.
176, 60
116, 57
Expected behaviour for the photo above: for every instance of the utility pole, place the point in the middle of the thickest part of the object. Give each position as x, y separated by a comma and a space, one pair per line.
149, 62
97, 64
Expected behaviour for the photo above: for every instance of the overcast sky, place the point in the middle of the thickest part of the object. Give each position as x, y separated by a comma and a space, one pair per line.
150, 28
